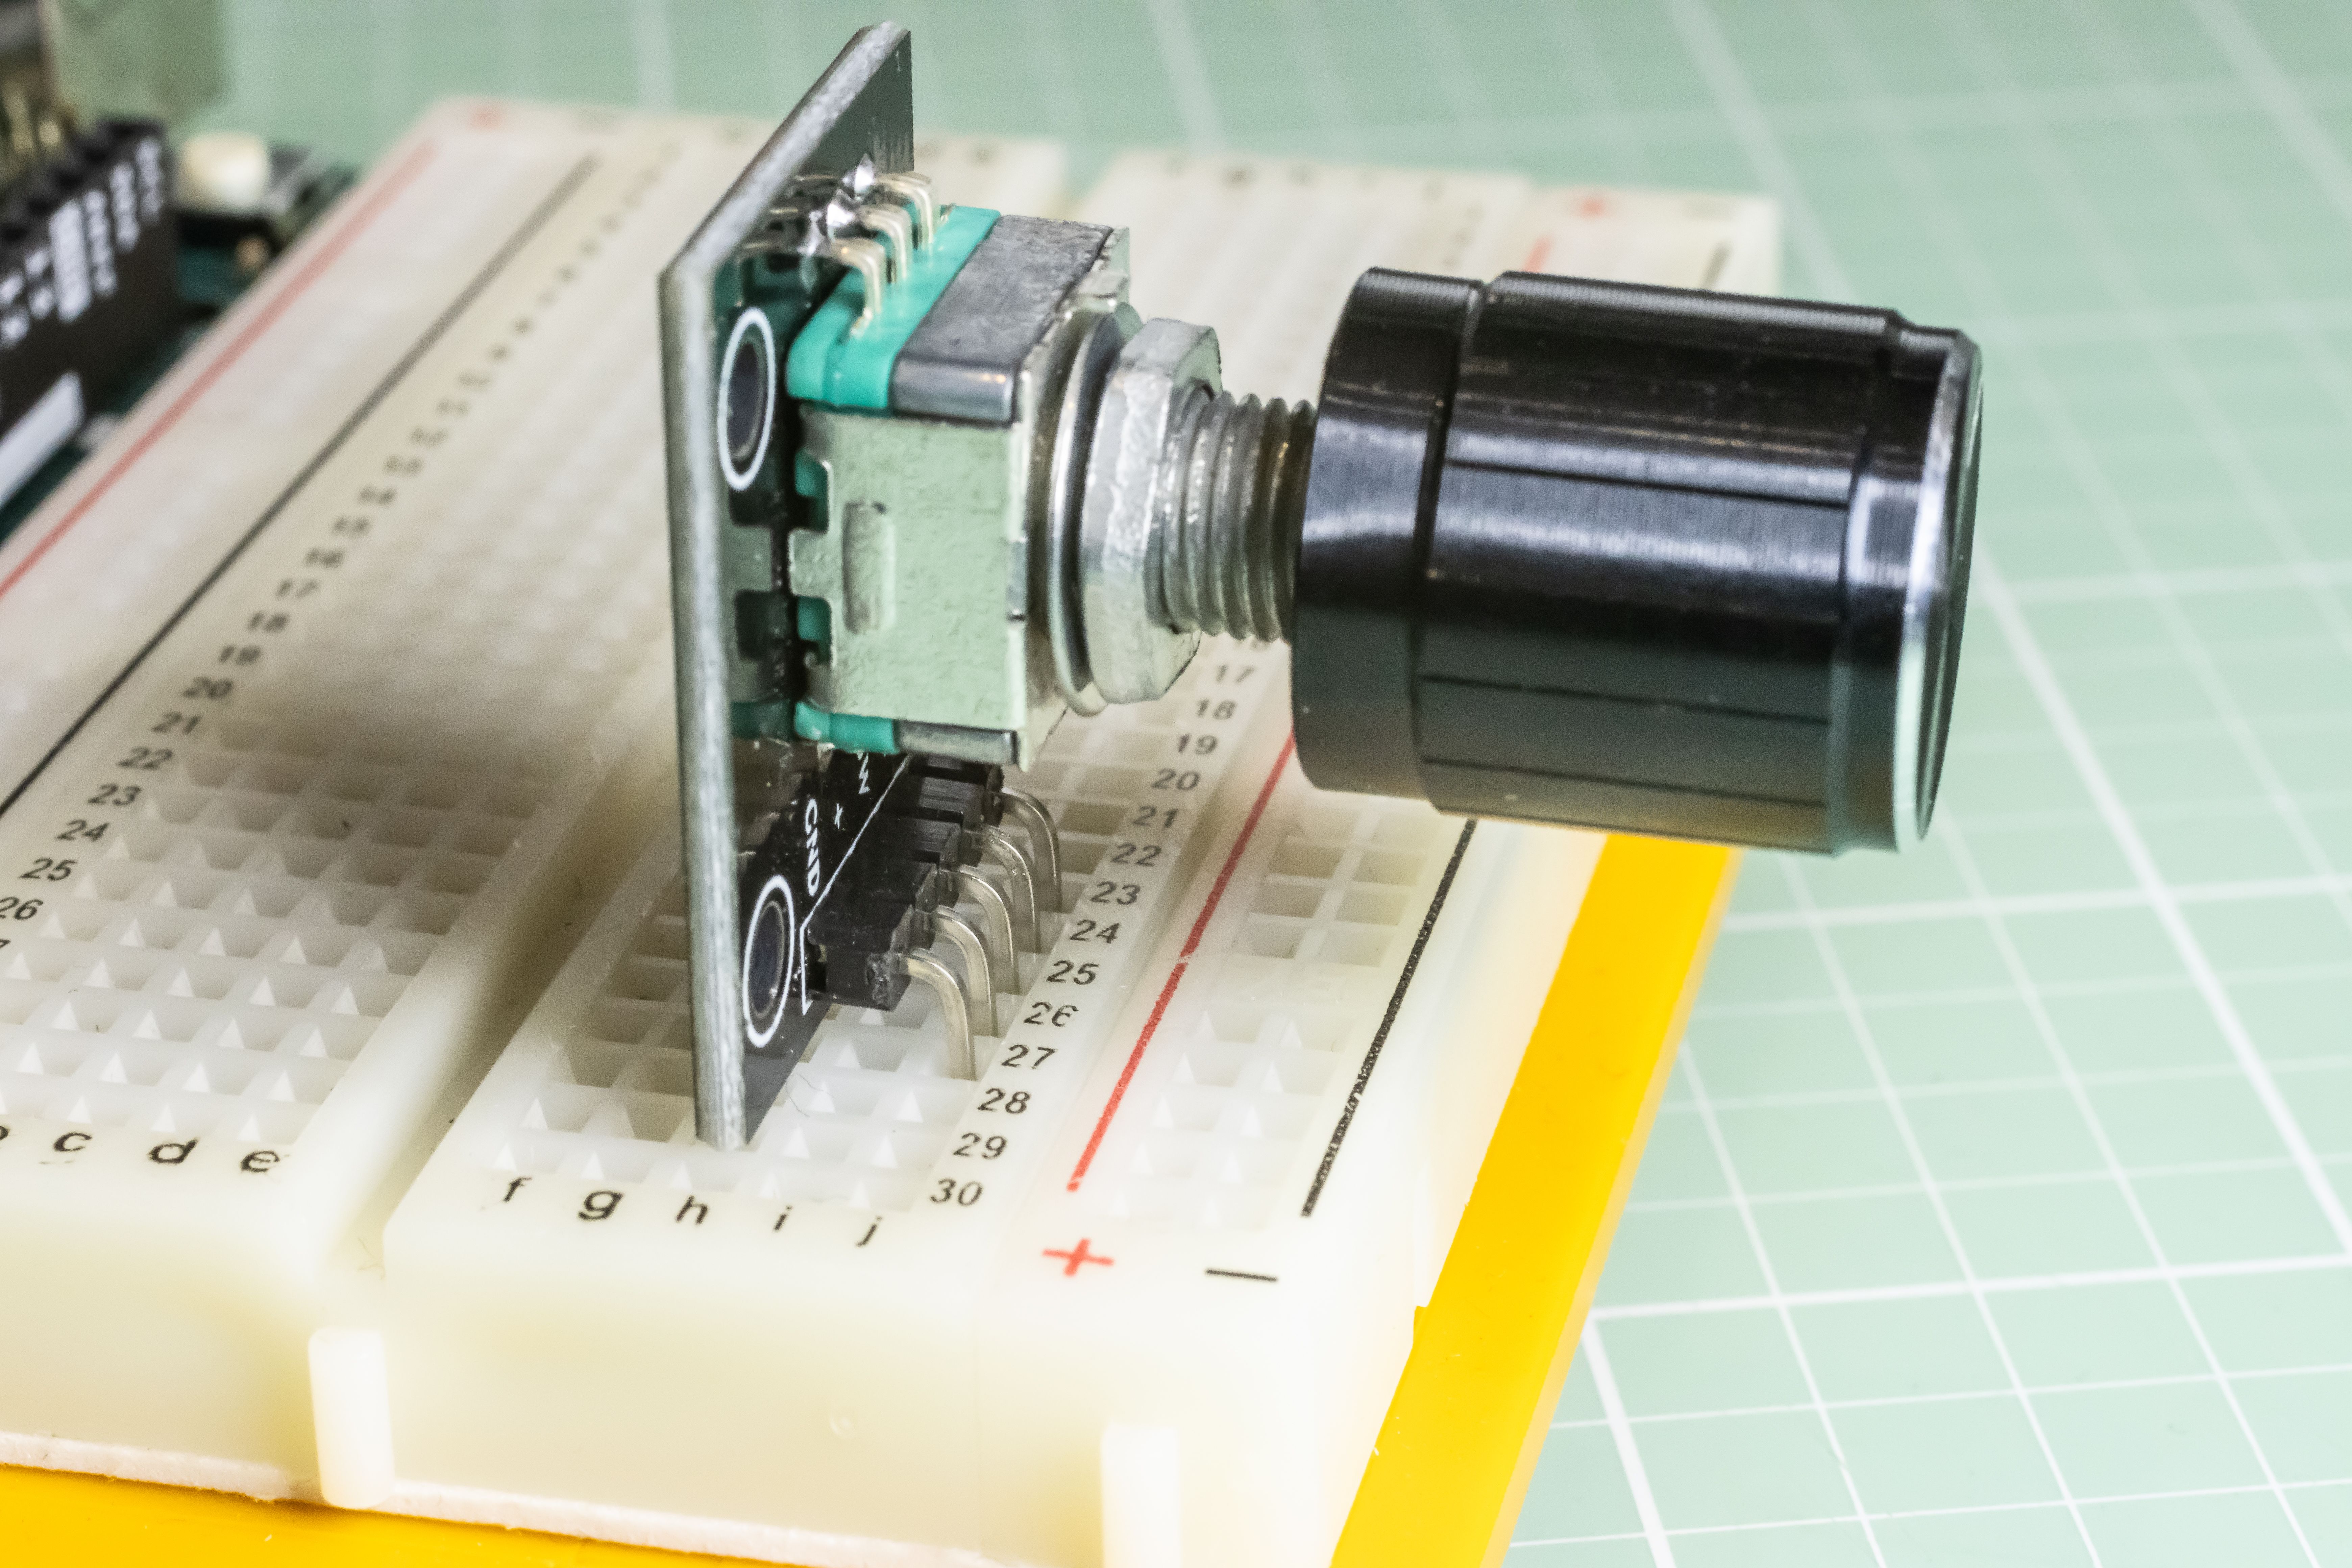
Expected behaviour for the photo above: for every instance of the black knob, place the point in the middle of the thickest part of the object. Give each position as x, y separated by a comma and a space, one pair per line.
1636, 558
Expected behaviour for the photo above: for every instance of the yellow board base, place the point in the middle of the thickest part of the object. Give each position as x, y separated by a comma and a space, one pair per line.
1493, 1346
1490, 1351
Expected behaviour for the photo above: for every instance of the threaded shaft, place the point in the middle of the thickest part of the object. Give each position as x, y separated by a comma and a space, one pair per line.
1224, 549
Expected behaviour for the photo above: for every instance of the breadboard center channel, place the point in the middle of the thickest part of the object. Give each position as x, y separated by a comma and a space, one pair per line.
369, 824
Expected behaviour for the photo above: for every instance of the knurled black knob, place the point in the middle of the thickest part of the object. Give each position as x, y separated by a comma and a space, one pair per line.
1636, 558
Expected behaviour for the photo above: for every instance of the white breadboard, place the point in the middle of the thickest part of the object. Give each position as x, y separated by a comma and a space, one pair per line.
1265, 249
288, 871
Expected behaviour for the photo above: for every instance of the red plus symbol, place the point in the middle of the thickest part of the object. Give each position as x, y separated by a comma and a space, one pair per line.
1077, 1255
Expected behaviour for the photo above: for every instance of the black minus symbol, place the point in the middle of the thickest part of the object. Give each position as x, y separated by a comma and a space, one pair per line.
1238, 1274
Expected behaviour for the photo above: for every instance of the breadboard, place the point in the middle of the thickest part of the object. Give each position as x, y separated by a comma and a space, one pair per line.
2143, 213
323, 830
1333, 221
355, 801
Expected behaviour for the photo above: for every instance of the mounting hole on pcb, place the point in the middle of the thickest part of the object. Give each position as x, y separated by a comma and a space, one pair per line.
747, 397
768, 962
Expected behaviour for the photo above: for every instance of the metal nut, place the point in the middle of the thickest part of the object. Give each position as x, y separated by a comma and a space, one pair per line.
1135, 656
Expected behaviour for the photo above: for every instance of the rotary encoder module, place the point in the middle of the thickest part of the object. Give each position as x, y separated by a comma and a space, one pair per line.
1627, 557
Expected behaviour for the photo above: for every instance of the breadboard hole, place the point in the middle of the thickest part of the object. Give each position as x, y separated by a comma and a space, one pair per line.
1268, 938
1291, 898
1084, 819
1352, 946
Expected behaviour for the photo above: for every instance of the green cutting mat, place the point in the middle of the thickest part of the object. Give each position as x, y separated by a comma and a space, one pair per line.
1999, 1213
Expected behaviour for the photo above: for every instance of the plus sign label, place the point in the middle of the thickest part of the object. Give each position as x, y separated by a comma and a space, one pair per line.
1074, 1256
